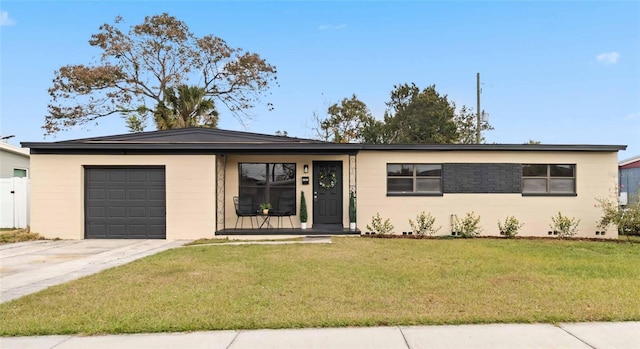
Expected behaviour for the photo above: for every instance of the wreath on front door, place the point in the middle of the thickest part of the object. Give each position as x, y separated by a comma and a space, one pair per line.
327, 180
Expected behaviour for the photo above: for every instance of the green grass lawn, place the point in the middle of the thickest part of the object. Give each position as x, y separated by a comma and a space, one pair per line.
352, 282
632, 238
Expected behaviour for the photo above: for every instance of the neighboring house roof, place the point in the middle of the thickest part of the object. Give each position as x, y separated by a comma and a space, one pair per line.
206, 140
14, 150
633, 162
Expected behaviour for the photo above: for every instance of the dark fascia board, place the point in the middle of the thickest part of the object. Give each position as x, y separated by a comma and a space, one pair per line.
171, 152
495, 147
289, 147
280, 147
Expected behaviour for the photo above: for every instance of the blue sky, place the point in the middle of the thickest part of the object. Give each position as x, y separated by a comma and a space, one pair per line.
556, 72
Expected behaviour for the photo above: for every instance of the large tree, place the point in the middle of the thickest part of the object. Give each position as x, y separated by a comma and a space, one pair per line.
419, 116
346, 121
185, 106
375, 132
466, 122
136, 68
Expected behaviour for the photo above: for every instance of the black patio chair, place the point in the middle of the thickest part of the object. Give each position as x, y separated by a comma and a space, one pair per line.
286, 208
244, 208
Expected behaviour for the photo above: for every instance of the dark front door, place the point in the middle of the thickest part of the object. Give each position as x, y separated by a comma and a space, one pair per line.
327, 193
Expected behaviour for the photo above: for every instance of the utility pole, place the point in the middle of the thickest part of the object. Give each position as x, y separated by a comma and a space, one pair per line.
478, 123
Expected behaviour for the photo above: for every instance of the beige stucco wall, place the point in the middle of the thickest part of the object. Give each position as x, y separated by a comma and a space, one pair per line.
57, 192
596, 177
231, 186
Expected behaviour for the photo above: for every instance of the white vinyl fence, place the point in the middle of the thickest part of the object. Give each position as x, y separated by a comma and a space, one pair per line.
14, 202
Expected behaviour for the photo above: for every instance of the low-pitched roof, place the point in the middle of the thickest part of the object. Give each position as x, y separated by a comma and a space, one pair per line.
190, 140
206, 140
192, 135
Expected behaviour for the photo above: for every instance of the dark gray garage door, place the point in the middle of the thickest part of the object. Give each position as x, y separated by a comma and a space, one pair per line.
125, 203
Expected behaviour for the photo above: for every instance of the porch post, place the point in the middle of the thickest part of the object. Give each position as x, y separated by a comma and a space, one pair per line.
221, 161
352, 174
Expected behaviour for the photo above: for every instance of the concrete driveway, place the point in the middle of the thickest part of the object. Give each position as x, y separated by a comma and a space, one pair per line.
31, 266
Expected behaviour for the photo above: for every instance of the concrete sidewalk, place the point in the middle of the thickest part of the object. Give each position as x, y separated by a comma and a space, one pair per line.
31, 266
600, 335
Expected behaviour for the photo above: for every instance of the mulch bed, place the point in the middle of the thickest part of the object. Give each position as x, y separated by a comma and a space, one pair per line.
621, 239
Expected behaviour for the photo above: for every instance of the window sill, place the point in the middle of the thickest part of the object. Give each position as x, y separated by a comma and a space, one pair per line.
550, 194
415, 194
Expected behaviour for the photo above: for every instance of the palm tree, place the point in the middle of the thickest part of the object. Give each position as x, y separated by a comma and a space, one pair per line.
189, 107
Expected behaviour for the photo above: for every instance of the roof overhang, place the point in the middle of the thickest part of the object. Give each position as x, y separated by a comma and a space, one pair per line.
293, 148
217, 141
496, 147
183, 148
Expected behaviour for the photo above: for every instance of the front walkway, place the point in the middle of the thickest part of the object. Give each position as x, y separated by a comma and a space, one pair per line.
601, 335
32, 266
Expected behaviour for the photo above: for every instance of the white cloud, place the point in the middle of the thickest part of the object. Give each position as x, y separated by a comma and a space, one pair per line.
332, 27
607, 58
5, 20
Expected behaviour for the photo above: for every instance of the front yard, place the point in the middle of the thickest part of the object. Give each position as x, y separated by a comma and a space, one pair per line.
352, 282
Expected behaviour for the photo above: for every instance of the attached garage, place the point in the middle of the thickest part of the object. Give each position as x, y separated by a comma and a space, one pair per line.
125, 202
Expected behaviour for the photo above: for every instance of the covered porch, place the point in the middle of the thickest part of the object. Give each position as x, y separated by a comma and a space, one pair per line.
246, 180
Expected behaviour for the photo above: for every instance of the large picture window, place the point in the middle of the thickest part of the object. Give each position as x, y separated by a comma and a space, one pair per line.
416, 179
274, 183
548, 179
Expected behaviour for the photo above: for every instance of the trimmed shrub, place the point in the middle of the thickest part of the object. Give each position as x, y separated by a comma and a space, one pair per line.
467, 227
510, 227
565, 227
380, 227
352, 207
303, 208
424, 224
